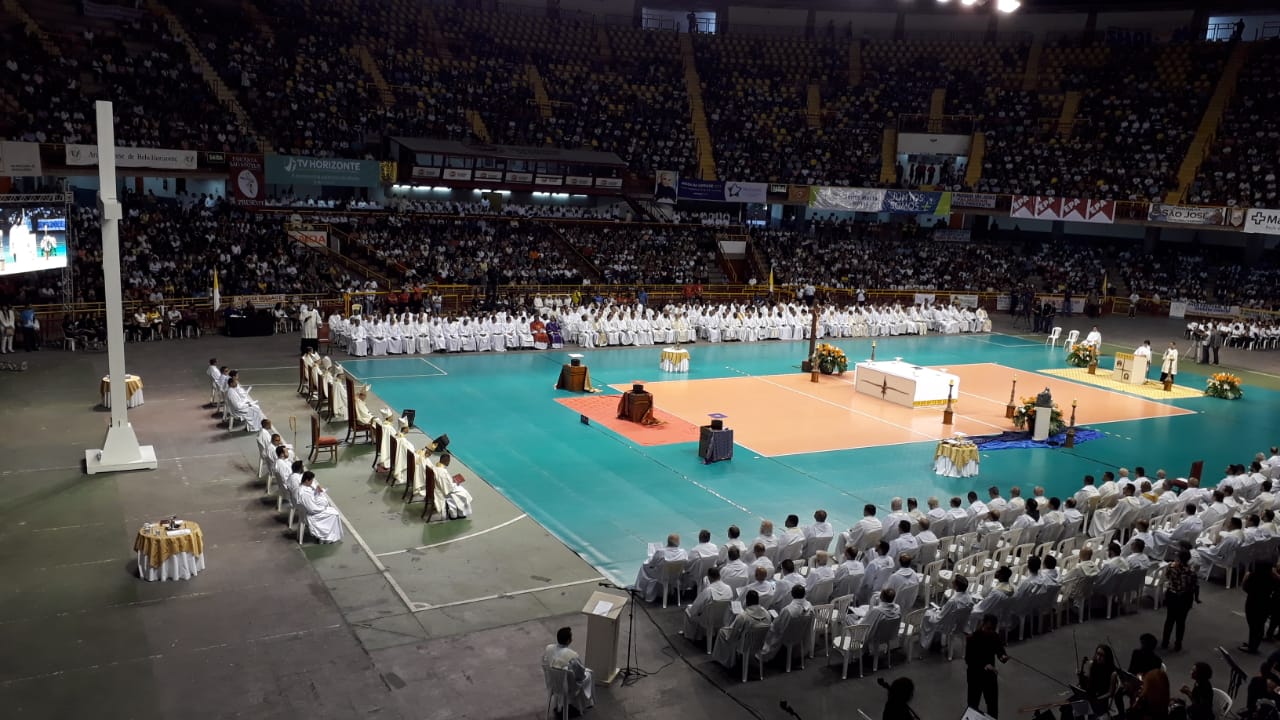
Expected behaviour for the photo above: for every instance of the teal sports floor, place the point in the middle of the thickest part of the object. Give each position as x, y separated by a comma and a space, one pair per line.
607, 497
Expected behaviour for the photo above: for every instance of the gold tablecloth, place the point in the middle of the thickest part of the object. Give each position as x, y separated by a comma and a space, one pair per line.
132, 384
158, 546
674, 360
956, 457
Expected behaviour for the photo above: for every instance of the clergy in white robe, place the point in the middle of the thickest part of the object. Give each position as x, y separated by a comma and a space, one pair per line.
322, 518
649, 578
1093, 339
793, 612
1225, 550
716, 591
752, 618
940, 622
1119, 517
242, 407
451, 498
359, 339
378, 339
339, 390
395, 338
560, 656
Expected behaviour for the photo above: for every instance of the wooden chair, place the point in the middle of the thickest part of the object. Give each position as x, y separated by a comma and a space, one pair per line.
429, 495
410, 473
355, 428
328, 407
326, 443
393, 453
303, 388
323, 340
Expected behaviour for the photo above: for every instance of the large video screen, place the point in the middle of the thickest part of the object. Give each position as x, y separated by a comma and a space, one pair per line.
35, 238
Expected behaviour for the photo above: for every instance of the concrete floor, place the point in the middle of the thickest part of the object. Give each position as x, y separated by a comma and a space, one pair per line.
380, 625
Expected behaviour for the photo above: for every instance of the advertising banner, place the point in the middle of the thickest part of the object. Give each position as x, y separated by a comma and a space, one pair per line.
495, 175
952, 235
1186, 215
609, 183
247, 179
555, 180
1042, 207
1261, 220
20, 159
133, 157
745, 192
847, 199
924, 299
426, 173
973, 200
914, 202
519, 177
1179, 309
700, 190
308, 236
457, 174
577, 181
969, 301
337, 172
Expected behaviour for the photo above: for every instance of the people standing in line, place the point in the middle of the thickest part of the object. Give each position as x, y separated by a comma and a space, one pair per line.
983, 649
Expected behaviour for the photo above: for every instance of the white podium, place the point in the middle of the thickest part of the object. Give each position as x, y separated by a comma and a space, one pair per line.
1044, 417
1130, 368
602, 611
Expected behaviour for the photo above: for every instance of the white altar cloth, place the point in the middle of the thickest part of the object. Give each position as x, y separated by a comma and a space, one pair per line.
905, 384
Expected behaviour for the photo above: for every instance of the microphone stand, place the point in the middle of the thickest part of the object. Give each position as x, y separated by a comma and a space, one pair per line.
629, 673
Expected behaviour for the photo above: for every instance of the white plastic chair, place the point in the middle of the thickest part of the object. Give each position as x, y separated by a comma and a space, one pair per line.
712, 619
672, 570
1053, 337
557, 683
882, 638
910, 631
799, 634
849, 644
1222, 703
1072, 337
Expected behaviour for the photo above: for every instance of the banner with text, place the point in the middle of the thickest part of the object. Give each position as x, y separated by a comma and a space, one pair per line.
973, 200
20, 159
308, 235
1261, 220
1042, 207
847, 199
721, 191
968, 301
133, 157
952, 235
248, 179
1181, 309
917, 202
336, 172
924, 299
1186, 214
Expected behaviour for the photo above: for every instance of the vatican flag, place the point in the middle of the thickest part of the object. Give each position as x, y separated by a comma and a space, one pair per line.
770, 279
217, 294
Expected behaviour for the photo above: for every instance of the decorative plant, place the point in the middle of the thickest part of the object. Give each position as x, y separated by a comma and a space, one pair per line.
1024, 417
830, 359
1223, 385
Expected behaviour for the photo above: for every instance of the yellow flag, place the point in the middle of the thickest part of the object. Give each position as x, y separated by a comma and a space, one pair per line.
217, 294
771, 279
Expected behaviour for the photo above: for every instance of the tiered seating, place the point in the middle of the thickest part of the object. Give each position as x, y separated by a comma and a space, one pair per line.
665, 255
1242, 164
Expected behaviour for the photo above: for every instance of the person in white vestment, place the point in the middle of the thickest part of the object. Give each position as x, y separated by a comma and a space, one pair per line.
560, 656
939, 622
264, 436
359, 338
1118, 517
451, 498
649, 578
715, 591
215, 380
734, 570
734, 536
282, 465
242, 406
1169, 364
1226, 547
323, 521
878, 570
904, 582
1185, 533
752, 617
793, 612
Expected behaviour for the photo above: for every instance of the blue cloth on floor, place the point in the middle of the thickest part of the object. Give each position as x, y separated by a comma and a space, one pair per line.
1022, 439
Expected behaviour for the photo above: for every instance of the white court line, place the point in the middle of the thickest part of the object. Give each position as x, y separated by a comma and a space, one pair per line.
393, 377
278, 367
513, 593
382, 569
960, 414
518, 518
437, 367
913, 431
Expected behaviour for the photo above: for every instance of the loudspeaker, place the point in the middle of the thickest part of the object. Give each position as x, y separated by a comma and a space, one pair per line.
637, 388
584, 419
576, 362
717, 424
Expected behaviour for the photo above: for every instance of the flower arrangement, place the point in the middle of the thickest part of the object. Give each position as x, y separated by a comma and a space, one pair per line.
1224, 385
1024, 417
830, 359
1082, 355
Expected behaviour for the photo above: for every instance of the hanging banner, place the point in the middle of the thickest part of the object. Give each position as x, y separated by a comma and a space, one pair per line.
968, 301
1261, 220
848, 199
609, 183
973, 200
1186, 214
924, 299
664, 187
457, 174
308, 235
915, 202
248, 181
952, 235
336, 172
135, 157
1042, 207
20, 159
746, 192
1179, 309
798, 194
1090, 211
425, 172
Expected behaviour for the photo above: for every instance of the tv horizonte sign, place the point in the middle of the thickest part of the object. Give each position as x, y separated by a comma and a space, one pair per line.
294, 170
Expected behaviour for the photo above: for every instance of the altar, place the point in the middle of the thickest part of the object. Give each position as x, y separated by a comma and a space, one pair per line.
905, 384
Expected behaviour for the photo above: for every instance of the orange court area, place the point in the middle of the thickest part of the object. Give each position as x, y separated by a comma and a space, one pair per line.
787, 414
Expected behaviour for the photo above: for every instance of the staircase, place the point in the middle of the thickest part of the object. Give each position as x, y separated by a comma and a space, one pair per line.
855, 64
1209, 123
1031, 75
341, 260
937, 104
889, 157
813, 106
697, 112
478, 128
584, 265
365, 58
1067, 119
436, 38
211, 77
14, 8
539, 90
603, 47
973, 171
259, 21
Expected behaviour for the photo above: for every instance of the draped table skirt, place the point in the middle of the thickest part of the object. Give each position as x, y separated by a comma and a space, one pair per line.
954, 459
675, 360
132, 391
169, 556
181, 566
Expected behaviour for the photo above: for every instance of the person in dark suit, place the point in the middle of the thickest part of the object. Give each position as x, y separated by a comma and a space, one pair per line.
1216, 338
981, 652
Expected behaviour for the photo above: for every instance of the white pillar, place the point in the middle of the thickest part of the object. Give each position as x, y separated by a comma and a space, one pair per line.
120, 451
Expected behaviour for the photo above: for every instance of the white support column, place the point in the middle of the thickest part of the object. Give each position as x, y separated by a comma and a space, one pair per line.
120, 451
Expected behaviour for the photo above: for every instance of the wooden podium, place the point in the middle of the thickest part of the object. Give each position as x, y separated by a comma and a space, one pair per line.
1130, 368
602, 635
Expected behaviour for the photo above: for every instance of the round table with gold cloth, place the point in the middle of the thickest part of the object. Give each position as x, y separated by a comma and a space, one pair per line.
674, 360
956, 459
169, 555
132, 391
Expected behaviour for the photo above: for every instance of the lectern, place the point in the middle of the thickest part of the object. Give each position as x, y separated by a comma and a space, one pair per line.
1130, 368
602, 611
